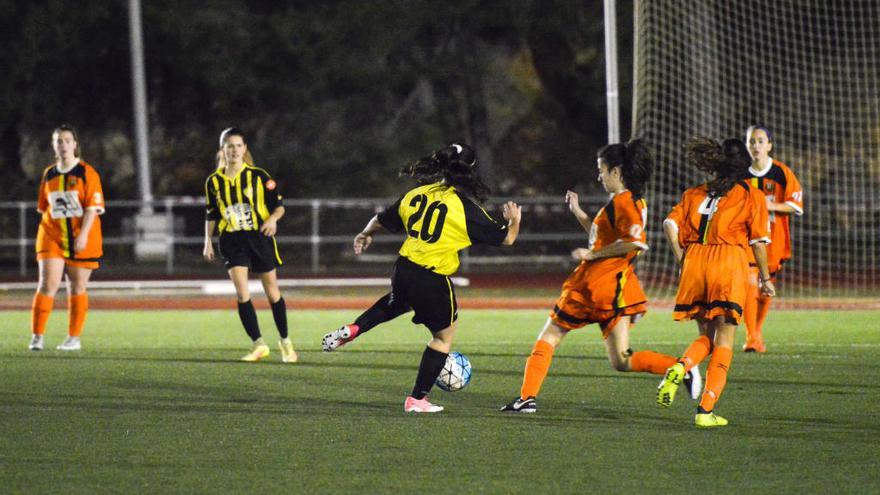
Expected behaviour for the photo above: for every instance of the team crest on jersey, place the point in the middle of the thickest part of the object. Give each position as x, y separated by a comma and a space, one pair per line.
769, 187
72, 181
270, 185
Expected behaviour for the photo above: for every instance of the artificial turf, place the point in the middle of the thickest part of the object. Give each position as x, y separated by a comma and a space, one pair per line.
157, 402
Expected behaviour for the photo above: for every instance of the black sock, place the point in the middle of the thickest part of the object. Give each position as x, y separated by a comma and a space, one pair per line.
383, 310
430, 367
700, 410
248, 316
279, 312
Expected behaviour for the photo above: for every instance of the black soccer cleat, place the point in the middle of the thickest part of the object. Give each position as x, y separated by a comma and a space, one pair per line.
520, 405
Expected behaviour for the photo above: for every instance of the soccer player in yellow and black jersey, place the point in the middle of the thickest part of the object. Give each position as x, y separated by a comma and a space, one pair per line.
243, 202
440, 217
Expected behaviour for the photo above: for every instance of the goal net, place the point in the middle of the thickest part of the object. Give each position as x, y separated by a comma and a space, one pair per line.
807, 69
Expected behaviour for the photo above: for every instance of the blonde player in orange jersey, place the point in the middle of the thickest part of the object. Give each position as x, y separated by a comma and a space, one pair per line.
69, 237
710, 231
604, 288
784, 199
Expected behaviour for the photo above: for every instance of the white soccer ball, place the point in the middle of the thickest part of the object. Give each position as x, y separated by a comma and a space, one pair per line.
456, 373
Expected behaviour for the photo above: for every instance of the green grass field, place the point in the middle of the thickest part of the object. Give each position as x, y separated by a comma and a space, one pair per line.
157, 403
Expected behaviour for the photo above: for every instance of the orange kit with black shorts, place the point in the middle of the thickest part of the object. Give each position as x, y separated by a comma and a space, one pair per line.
716, 233
63, 200
607, 289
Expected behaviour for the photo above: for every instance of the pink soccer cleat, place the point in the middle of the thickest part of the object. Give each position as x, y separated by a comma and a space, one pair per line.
420, 405
340, 337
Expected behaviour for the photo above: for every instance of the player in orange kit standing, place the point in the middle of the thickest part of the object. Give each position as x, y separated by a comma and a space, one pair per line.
710, 231
604, 288
69, 239
784, 198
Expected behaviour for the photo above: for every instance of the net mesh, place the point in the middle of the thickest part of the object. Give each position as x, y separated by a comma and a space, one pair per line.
808, 70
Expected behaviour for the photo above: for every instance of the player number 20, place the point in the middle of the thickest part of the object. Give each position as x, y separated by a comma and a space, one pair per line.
429, 211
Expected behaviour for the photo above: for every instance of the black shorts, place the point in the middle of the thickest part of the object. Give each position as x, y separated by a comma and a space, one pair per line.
251, 249
430, 295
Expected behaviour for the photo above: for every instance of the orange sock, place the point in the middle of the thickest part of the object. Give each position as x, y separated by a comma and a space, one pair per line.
41, 308
650, 361
763, 309
77, 307
537, 367
750, 315
716, 377
696, 352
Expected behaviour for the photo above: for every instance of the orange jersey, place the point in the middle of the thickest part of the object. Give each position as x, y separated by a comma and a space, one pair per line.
600, 290
63, 200
716, 233
738, 218
779, 184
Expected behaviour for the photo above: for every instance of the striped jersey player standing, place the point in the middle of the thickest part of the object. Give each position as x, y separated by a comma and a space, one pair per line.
244, 204
69, 239
440, 217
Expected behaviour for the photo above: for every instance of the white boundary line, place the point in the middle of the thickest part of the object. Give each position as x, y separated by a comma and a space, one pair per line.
225, 286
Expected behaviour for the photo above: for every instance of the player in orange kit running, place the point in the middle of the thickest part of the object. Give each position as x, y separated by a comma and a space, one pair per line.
710, 231
784, 198
69, 239
604, 288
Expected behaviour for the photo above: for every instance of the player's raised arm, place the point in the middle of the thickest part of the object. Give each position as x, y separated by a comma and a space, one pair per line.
513, 214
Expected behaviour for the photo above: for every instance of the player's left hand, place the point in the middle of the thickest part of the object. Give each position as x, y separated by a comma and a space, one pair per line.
269, 228
362, 242
767, 288
80, 243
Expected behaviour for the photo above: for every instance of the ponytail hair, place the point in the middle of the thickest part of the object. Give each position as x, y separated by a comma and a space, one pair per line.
728, 163
454, 165
635, 162
232, 131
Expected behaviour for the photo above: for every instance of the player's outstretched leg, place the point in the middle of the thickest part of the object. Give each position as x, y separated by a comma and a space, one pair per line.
669, 385
339, 337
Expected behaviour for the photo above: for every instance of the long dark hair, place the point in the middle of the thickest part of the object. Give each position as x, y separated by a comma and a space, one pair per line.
635, 161
454, 165
727, 163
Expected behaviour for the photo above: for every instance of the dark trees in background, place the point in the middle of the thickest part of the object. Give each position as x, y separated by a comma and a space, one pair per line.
335, 96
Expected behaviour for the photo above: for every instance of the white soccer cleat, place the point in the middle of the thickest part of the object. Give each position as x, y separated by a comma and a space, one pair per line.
693, 381
70, 344
36, 343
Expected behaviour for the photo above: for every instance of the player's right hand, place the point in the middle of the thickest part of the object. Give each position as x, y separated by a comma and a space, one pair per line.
512, 212
362, 241
574, 205
208, 252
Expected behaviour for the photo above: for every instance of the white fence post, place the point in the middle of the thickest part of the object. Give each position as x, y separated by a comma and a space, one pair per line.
316, 235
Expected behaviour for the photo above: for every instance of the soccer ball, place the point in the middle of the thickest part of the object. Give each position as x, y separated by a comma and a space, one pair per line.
456, 373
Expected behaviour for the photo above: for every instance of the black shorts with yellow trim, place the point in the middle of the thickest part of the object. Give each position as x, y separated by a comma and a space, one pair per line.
430, 295
251, 249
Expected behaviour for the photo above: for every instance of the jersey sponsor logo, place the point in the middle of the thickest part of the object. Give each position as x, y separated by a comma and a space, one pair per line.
270, 185
240, 216
64, 204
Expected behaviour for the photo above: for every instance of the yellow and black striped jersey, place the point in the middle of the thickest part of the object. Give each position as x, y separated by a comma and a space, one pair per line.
243, 202
439, 222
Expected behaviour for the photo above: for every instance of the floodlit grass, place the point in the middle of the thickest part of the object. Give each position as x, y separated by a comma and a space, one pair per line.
157, 402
